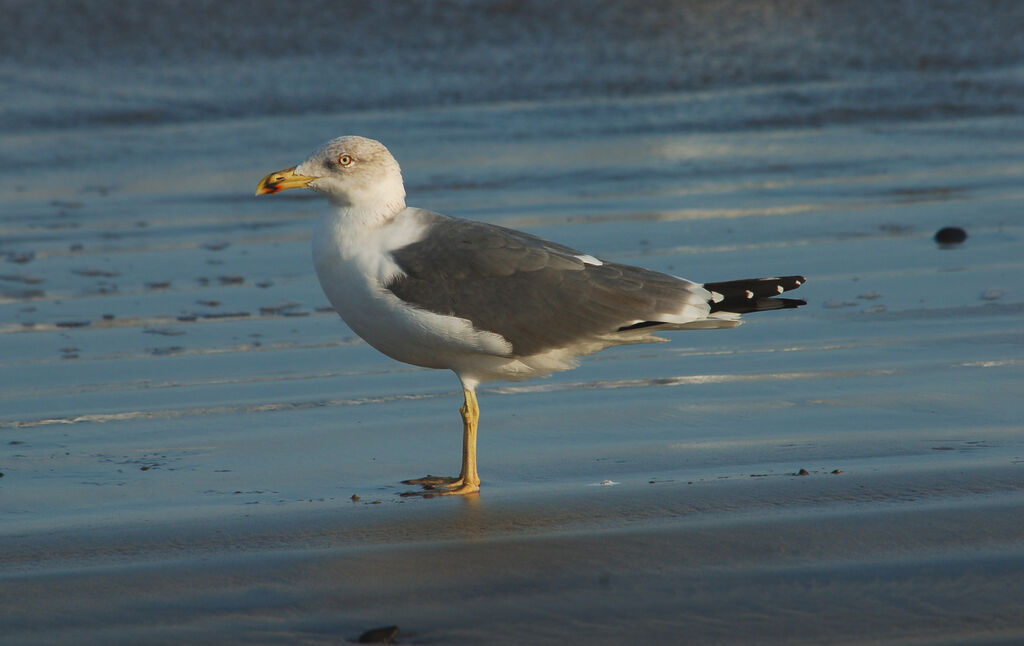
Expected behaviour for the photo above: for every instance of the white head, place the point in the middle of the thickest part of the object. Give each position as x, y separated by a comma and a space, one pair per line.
350, 172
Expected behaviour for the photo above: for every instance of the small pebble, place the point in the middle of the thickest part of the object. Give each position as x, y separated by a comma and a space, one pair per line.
163, 352
102, 191
163, 331
950, 236
384, 635
993, 294
91, 272
836, 472
355, 497
66, 204
803, 472
21, 278
832, 305
20, 257
279, 309
223, 315
23, 294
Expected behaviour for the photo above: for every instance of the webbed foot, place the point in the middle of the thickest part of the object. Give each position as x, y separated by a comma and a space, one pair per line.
441, 486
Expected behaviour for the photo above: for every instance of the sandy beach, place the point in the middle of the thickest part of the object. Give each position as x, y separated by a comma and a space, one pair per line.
195, 449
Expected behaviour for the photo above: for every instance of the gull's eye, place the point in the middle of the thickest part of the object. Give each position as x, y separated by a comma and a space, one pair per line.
345, 160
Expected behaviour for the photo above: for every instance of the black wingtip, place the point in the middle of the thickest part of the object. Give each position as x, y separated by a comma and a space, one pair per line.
754, 294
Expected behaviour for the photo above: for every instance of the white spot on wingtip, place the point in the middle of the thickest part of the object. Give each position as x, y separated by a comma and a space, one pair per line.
716, 297
589, 260
750, 294
780, 288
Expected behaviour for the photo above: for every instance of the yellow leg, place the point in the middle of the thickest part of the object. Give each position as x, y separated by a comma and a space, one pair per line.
468, 480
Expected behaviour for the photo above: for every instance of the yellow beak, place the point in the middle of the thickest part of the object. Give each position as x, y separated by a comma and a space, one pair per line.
281, 180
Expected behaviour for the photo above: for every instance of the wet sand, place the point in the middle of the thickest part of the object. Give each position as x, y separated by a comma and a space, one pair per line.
788, 561
196, 450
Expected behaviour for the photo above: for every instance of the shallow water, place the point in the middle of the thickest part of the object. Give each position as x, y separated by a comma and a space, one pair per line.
183, 422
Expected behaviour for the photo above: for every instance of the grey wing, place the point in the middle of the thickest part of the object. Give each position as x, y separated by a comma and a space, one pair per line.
536, 294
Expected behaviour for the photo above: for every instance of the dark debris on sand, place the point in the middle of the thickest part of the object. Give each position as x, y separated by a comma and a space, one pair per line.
384, 635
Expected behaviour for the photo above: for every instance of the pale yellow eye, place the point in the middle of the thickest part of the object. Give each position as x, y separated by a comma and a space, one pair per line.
345, 160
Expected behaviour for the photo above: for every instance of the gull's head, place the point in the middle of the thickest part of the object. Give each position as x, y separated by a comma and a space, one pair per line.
348, 171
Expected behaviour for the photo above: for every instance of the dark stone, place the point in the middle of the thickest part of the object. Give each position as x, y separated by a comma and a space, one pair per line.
385, 635
950, 236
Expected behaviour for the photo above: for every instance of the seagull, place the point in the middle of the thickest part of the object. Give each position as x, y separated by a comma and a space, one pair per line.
487, 302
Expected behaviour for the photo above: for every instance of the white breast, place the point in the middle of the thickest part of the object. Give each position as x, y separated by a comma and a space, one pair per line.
353, 263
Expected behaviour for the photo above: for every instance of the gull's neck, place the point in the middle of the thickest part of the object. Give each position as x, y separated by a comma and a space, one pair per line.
369, 206
365, 216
